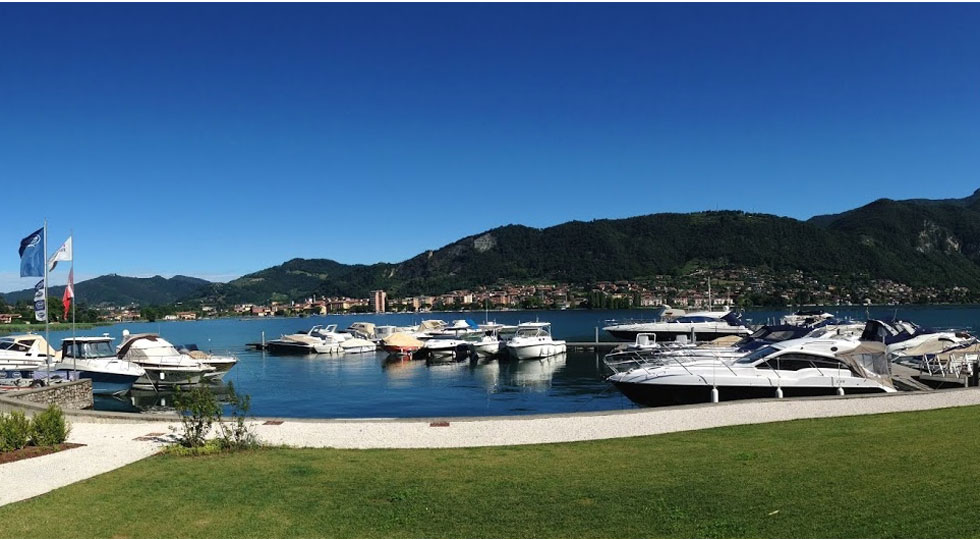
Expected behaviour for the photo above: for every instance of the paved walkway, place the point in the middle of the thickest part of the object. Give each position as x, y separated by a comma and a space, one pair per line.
113, 445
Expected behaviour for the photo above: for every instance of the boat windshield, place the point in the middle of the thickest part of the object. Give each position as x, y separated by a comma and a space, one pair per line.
696, 319
530, 332
90, 349
756, 355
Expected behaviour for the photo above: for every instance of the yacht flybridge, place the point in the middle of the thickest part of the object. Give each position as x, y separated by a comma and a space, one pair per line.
798, 367
698, 326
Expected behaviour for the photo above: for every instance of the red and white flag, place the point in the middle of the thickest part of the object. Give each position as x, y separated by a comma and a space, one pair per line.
69, 291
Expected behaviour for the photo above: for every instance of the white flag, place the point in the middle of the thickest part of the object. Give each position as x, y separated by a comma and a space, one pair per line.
63, 254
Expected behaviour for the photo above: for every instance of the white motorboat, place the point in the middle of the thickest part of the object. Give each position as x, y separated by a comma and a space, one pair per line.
315, 341
454, 341
799, 367
25, 352
95, 358
163, 364
700, 326
489, 343
534, 340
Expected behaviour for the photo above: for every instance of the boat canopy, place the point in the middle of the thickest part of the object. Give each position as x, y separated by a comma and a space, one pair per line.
145, 346
892, 331
869, 360
25, 342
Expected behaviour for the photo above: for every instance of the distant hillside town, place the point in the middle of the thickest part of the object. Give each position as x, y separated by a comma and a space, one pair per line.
736, 288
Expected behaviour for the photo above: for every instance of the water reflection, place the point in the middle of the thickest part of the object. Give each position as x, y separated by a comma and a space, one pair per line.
536, 374
150, 401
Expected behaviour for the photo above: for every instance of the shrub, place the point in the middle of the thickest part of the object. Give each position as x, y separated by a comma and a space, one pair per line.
198, 410
238, 435
15, 431
49, 428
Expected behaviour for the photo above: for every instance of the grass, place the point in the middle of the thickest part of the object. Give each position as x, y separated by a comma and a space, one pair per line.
38, 328
894, 475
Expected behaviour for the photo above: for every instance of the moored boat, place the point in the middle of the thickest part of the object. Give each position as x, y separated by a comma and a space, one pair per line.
94, 358
163, 364
798, 367
534, 340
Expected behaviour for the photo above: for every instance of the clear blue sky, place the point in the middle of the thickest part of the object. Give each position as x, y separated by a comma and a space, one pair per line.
216, 140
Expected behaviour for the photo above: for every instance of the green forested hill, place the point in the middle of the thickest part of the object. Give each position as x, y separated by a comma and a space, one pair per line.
919, 242
123, 290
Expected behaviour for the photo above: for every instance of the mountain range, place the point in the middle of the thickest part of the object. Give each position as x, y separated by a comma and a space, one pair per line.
919, 242
123, 290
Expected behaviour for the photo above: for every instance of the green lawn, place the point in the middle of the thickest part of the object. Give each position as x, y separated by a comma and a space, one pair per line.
896, 475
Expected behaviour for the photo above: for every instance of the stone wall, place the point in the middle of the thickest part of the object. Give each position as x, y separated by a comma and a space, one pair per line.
67, 395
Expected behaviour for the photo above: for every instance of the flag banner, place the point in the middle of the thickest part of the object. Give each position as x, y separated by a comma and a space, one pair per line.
32, 254
63, 254
40, 302
69, 291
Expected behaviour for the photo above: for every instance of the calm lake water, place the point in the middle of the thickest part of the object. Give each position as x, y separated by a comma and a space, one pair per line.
370, 386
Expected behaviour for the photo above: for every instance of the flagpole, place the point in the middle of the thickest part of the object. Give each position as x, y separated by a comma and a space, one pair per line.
71, 273
47, 316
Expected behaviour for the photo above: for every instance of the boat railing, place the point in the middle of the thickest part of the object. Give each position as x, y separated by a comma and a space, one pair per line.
629, 360
617, 322
948, 365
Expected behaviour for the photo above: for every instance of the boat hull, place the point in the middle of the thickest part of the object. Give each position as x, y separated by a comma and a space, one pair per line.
487, 349
107, 384
658, 395
156, 377
538, 350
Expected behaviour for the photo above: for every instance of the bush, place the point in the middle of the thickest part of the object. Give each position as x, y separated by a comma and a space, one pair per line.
49, 428
15, 431
198, 410
238, 435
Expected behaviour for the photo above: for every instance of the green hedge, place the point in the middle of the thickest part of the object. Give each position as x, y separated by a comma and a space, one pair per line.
47, 428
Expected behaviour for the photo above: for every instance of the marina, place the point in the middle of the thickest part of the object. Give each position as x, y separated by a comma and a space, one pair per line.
381, 382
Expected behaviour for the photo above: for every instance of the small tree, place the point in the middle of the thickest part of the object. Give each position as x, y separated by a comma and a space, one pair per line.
198, 410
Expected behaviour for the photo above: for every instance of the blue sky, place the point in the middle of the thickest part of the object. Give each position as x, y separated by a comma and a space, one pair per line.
216, 140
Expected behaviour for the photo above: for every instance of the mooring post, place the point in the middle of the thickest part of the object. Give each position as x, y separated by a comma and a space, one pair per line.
263, 340
597, 335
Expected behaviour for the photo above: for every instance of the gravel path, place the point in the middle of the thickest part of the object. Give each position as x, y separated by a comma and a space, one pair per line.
113, 445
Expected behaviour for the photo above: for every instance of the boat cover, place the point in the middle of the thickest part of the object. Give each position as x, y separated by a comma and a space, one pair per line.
401, 339
869, 360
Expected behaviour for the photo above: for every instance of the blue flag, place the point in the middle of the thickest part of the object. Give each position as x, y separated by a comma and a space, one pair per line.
32, 254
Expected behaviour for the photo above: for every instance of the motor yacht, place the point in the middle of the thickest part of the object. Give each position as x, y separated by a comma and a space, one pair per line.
314, 341
534, 340
798, 367
163, 364
95, 358
453, 341
703, 326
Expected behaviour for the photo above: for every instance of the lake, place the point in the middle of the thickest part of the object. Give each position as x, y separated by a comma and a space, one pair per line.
371, 386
